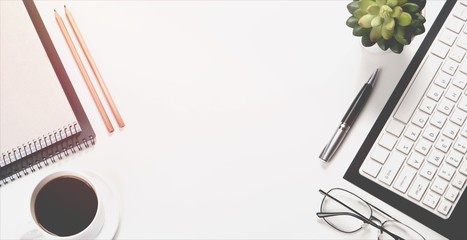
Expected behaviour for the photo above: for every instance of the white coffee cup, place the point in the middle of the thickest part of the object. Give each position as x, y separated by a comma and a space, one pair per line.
51, 187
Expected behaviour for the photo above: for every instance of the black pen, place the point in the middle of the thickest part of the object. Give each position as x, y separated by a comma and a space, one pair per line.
349, 118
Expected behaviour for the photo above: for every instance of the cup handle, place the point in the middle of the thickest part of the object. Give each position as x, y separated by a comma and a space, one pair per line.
33, 232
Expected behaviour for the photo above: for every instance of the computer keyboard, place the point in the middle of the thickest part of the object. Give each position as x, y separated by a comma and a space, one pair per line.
422, 152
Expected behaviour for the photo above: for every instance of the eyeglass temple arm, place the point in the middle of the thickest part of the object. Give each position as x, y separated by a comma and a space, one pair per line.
335, 214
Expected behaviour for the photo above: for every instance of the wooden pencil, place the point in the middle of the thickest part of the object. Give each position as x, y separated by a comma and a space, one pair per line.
85, 75
94, 68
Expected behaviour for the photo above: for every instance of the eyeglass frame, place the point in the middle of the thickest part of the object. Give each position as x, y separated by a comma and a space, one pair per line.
371, 220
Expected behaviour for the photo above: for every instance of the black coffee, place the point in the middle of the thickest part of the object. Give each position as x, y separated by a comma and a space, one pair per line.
65, 206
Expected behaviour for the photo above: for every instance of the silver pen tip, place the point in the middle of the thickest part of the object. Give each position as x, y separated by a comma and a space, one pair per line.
373, 77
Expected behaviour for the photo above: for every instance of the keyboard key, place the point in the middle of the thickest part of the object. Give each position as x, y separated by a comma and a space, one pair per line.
463, 68
455, 25
379, 154
442, 79
461, 145
446, 106
463, 168
404, 179
435, 92
423, 146
459, 181
439, 185
447, 37
451, 130
463, 103
446, 172
431, 199
436, 157
464, 131
395, 127
418, 188
438, 119
462, 42
443, 144
388, 141
454, 158
431, 133
440, 49
420, 119
371, 167
427, 105
405, 145
460, 80
428, 171
415, 160
392, 166
450, 66
460, 12
415, 91
458, 117
445, 207
412, 132
451, 194
453, 93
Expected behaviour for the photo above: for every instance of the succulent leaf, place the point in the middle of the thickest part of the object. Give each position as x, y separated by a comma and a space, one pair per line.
392, 3
389, 24
382, 44
419, 20
397, 11
360, 31
366, 41
387, 33
377, 21
410, 7
373, 9
419, 30
365, 21
364, 4
399, 35
352, 22
381, 2
404, 19
375, 34
397, 47
359, 13
352, 6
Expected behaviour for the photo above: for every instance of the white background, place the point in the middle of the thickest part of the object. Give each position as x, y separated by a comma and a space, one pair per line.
228, 105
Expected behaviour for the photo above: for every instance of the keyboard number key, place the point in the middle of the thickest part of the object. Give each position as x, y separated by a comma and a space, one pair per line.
461, 144
446, 172
439, 185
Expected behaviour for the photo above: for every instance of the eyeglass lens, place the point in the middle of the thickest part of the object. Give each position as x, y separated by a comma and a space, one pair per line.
343, 222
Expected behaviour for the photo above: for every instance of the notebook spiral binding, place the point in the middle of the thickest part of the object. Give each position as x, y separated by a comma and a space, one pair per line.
42, 152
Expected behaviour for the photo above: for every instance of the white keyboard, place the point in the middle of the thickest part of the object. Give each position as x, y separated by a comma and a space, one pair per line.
421, 154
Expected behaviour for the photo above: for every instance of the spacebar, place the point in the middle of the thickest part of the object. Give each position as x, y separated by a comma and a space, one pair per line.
417, 88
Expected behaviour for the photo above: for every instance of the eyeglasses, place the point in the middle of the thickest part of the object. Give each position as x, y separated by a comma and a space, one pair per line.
348, 213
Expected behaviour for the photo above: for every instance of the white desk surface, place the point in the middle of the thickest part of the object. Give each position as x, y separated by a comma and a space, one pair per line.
228, 105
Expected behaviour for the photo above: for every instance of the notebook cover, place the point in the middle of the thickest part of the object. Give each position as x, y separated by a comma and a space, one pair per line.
452, 227
71, 144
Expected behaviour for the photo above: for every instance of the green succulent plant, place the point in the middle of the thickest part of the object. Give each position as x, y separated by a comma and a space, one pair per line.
391, 24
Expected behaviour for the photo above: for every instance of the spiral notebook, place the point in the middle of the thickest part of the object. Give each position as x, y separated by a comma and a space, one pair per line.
41, 117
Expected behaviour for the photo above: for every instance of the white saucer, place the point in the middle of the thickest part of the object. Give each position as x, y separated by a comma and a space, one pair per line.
111, 208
